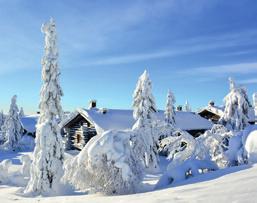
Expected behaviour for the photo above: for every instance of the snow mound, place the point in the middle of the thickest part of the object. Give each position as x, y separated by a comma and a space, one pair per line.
107, 164
251, 147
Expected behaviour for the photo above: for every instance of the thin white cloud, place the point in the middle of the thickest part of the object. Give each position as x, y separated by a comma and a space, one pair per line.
240, 68
183, 47
248, 81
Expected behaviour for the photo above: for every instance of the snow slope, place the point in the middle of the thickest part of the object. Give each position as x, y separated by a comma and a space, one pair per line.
236, 184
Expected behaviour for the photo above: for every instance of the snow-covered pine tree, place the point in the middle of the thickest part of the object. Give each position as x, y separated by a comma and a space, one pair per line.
255, 102
12, 127
2, 119
21, 112
237, 105
47, 165
143, 102
187, 107
170, 109
144, 110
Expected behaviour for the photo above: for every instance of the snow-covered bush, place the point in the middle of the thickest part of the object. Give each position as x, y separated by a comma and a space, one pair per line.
191, 157
213, 145
236, 111
47, 166
251, 147
185, 162
4, 171
242, 147
144, 110
26, 163
178, 147
107, 164
12, 128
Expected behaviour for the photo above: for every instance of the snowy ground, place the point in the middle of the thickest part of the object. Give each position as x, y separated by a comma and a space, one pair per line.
236, 184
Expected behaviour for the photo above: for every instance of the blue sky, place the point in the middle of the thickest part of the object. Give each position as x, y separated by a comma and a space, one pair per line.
191, 47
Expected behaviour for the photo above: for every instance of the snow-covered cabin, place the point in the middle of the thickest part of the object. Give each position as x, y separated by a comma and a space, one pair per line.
83, 124
214, 113
29, 124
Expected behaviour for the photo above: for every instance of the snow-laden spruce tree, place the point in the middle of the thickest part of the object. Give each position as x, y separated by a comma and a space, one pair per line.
21, 112
170, 109
47, 161
165, 128
144, 107
2, 119
236, 111
12, 127
187, 107
255, 102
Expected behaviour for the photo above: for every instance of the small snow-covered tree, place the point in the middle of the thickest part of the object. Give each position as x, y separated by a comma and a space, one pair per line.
2, 119
144, 114
255, 102
170, 109
187, 107
12, 127
143, 102
21, 112
236, 111
47, 166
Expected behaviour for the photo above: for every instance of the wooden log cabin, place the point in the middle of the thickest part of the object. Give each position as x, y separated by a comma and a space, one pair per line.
79, 131
214, 113
83, 124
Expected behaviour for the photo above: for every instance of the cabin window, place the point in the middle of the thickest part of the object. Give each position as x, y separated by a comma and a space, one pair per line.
78, 138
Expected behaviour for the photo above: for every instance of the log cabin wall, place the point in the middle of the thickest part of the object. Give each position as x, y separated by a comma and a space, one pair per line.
79, 131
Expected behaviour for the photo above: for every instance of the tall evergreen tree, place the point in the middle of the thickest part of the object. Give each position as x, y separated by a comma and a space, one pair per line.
170, 109
2, 130
12, 127
47, 165
237, 105
144, 109
143, 102
255, 102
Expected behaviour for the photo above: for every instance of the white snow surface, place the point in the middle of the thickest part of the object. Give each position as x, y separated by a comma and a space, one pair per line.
235, 184
119, 119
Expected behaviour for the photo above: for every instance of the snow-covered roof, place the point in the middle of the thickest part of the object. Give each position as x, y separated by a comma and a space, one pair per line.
213, 109
220, 111
29, 123
119, 119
